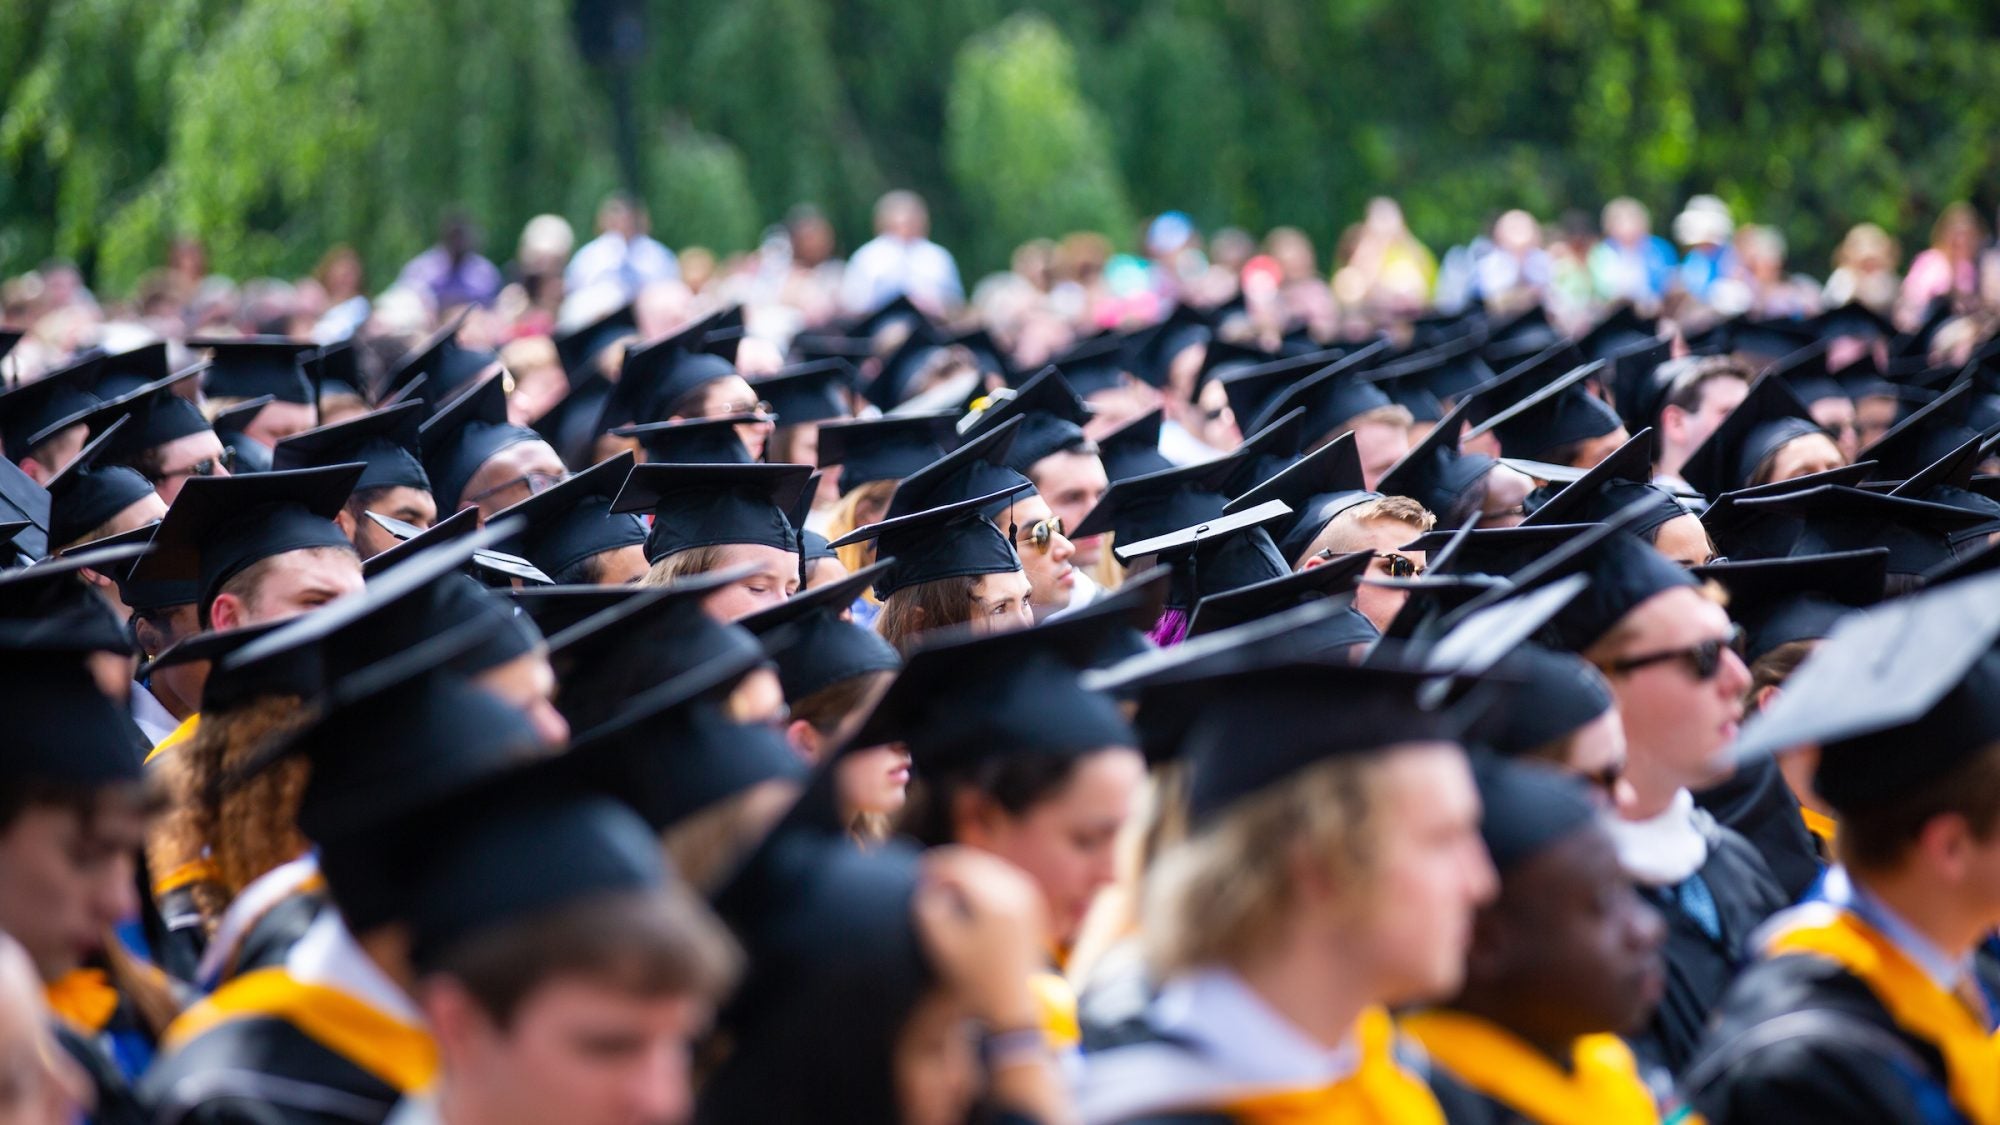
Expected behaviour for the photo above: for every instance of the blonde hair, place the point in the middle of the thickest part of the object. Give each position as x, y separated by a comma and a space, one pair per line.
845, 518
683, 564
1224, 893
1342, 533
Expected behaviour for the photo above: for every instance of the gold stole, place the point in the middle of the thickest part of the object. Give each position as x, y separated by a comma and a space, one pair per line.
1379, 1092
1056, 1001
1602, 1087
1823, 827
183, 733
1913, 1000
83, 999
400, 1054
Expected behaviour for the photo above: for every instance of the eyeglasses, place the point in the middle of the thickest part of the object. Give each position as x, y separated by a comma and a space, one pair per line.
760, 407
1044, 532
206, 467
1400, 566
537, 483
1703, 660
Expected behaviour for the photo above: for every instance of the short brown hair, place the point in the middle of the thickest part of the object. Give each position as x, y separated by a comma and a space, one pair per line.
247, 583
912, 611
1776, 666
1342, 533
1688, 379
1877, 836
659, 943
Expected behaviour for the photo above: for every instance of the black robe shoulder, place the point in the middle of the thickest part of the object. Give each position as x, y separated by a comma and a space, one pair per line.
1757, 803
262, 1071
1801, 1040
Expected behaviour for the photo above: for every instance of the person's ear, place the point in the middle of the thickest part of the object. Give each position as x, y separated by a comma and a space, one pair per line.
974, 818
37, 472
228, 611
1766, 695
344, 519
1486, 955
804, 738
451, 1013
95, 579
1312, 561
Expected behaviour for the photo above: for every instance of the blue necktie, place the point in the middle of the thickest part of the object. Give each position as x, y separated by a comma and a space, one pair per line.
1698, 903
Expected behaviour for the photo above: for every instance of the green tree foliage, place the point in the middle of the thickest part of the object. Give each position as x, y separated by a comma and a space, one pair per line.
1025, 150
273, 128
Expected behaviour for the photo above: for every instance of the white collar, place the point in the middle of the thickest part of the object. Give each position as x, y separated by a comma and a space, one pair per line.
327, 955
151, 716
252, 903
1664, 850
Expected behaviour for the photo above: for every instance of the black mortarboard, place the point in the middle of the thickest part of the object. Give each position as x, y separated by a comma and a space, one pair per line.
810, 346
1560, 414
1434, 473
218, 526
1741, 533
47, 608
445, 366
60, 726
1228, 357
460, 438
1150, 352
1618, 330
1526, 808
1520, 335
127, 371
1806, 371
711, 505
1553, 694
1778, 601
493, 568
1926, 436
807, 392
85, 495
814, 646
1409, 389
1770, 416
335, 369
901, 367
1498, 551
141, 594
385, 441
1613, 485
1448, 371
1623, 572
1054, 415
963, 701
1638, 388
1522, 379
30, 411
1950, 481
1217, 555
573, 521
1853, 319
247, 454
1317, 487
985, 352
976, 468
1331, 395
1093, 364
1145, 507
255, 366
1133, 449
9, 554
951, 541
694, 441
657, 376
1273, 596
1834, 518
24, 501
658, 635
298, 675
872, 449
895, 310
1895, 697
556, 608
1253, 391
576, 348
1768, 339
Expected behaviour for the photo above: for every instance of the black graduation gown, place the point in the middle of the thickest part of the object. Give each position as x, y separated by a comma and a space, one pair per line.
1757, 803
1700, 968
262, 1071
116, 1104
1801, 1040
275, 932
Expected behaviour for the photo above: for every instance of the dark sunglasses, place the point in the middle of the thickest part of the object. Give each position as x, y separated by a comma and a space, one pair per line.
1044, 531
205, 467
1703, 660
537, 483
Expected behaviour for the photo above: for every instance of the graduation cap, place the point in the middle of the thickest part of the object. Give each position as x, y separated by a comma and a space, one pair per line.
897, 310
950, 541
247, 454
1093, 364
334, 370
22, 501
218, 526
1254, 391
1833, 518
9, 531
814, 646
46, 607
86, 495
60, 726
297, 677
1054, 415
976, 468
872, 449
712, 505
658, 375
1225, 358
1778, 601
1613, 485
807, 392
1895, 697
1133, 449
1950, 481
1770, 416
1331, 395
1152, 505
445, 366
1853, 319
1410, 390
1523, 379
460, 438
254, 366
1449, 370
960, 702
1263, 599
1151, 351
141, 594
1496, 551
1926, 436
1864, 379
809, 346
694, 441
1526, 808
386, 441
573, 521
1619, 330
1317, 487
1217, 555
901, 367
1805, 370
1741, 533
121, 373
1767, 338
556, 608
1623, 573
657, 636
1434, 473
1560, 414
33, 412
1522, 334
1639, 388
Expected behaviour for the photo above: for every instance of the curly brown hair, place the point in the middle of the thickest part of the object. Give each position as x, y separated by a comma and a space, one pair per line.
245, 830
